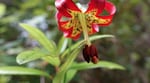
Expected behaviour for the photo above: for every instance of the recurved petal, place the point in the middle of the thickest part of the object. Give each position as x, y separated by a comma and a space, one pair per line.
60, 23
96, 4
64, 5
111, 9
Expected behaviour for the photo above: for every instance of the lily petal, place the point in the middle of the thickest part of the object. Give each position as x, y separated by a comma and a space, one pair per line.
92, 28
64, 5
111, 9
95, 28
60, 23
70, 35
70, 27
96, 4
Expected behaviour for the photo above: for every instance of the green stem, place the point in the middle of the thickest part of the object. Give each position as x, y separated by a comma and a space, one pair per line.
84, 27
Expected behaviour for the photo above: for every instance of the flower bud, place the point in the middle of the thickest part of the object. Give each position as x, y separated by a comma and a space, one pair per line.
90, 54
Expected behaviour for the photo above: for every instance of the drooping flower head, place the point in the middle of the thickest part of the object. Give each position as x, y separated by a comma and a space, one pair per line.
78, 19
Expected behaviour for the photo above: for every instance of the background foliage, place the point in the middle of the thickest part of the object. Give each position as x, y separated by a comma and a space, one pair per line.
130, 48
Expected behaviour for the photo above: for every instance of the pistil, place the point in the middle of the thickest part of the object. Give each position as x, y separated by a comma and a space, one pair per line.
83, 23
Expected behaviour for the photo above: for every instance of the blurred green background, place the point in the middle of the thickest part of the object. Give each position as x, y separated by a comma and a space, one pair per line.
130, 48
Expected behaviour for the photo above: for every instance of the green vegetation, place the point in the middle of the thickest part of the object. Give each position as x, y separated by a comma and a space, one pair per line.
33, 50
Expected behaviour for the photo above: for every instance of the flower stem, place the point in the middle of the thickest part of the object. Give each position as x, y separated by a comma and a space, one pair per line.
84, 27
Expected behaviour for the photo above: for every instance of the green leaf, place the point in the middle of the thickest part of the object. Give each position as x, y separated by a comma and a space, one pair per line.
59, 78
95, 37
15, 70
31, 55
82, 42
62, 44
52, 60
69, 75
2, 9
70, 59
100, 64
40, 37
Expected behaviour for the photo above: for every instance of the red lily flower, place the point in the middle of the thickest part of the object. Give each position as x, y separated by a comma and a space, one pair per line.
76, 20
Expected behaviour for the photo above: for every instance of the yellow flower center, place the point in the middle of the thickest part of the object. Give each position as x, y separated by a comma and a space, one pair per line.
83, 22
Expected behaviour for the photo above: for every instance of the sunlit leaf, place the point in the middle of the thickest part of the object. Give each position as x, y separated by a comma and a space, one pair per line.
15, 70
31, 55
40, 37
100, 64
